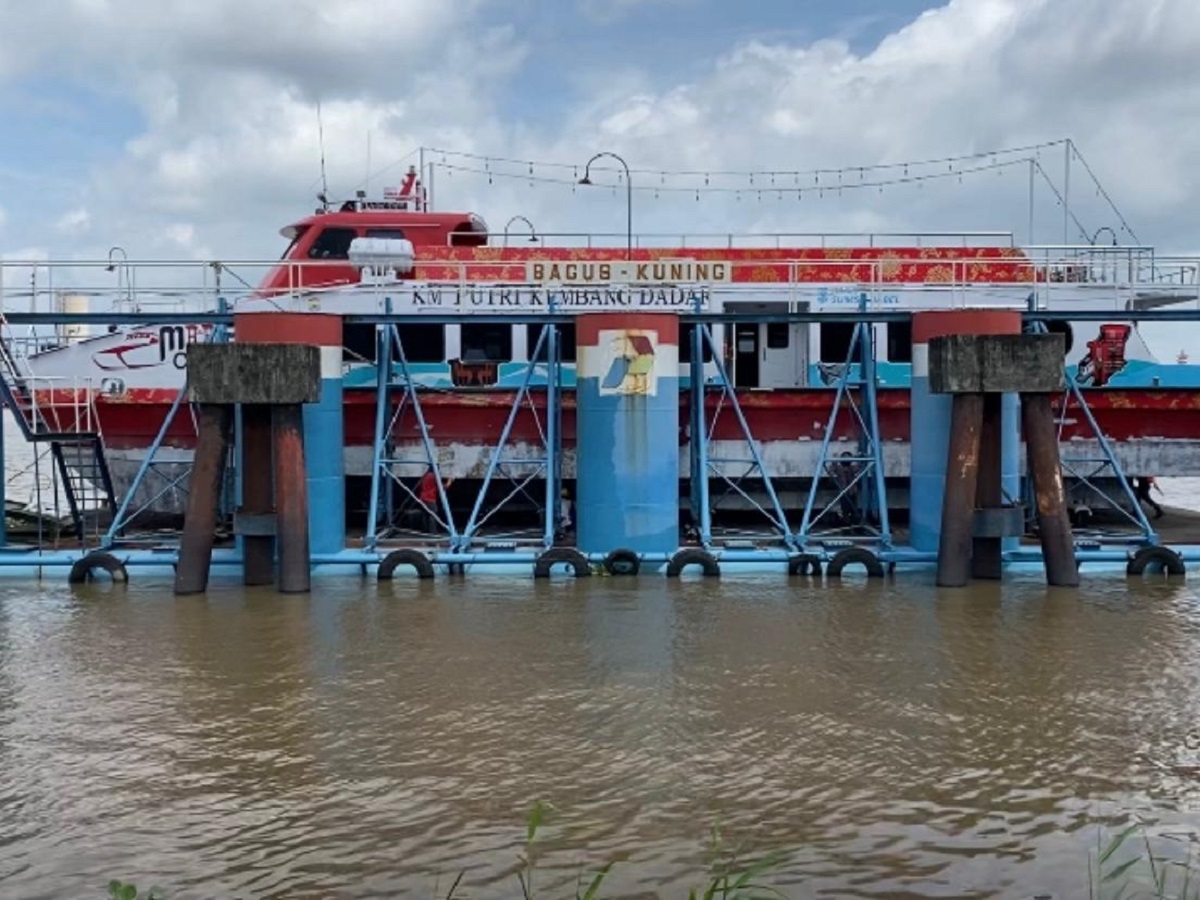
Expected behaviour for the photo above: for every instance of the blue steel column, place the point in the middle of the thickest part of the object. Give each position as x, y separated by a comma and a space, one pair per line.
1010, 458
930, 436
698, 437
875, 450
383, 378
627, 432
324, 449
3, 481
553, 438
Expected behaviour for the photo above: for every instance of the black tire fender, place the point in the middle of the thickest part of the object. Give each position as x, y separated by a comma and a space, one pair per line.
560, 556
622, 562
693, 556
1155, 560
804, 564
84, 569
405, 557
852, 556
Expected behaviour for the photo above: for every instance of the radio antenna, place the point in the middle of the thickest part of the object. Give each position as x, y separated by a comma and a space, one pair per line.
321, 143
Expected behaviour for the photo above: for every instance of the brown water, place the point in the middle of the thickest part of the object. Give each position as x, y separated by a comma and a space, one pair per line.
889, 740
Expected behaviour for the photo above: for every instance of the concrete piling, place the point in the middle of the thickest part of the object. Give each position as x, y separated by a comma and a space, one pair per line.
958, 499
200, 521
1045, 470
270, 382
978, 369
291, 498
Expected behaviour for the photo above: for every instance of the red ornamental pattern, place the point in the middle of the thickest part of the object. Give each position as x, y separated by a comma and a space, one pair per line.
897, 265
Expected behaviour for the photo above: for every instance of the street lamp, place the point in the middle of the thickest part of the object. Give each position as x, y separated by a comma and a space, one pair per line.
533, 238
628, 197
112, 266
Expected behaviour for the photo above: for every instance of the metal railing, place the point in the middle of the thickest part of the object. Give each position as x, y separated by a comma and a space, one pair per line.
774, 240
1086, 273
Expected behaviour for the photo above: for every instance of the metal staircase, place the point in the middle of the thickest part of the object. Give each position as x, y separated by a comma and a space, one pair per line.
71, 432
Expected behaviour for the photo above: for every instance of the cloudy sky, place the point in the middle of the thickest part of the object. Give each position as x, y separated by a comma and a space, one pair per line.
181, 128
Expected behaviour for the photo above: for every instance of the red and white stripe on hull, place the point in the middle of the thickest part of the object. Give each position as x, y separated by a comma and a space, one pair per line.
1159, 420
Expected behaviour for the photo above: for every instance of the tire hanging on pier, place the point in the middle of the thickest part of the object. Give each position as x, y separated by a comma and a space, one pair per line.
622, 562
854, 556
805, 564
85, 569
561, 556
405, 557
1156, 561
693, 556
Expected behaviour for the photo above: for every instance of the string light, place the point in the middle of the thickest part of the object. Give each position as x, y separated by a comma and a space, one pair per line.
660, 189
876, 175
902, 166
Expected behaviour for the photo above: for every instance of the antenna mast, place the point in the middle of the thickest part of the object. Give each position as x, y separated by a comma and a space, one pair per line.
321, 143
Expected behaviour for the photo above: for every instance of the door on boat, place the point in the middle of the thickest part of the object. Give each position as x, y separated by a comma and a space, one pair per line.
771, 354
746, 354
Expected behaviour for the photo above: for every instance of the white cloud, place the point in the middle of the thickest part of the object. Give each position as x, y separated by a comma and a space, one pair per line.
228, 92
74, 221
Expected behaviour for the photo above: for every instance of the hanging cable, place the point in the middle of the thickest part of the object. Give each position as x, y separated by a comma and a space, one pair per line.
751, 174
737, 191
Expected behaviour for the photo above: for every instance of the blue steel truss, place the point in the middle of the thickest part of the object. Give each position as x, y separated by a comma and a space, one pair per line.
386, 465
858, 478
520, 472
1085, 470
700, 432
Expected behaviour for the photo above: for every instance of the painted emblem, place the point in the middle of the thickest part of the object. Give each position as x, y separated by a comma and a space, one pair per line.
631, 367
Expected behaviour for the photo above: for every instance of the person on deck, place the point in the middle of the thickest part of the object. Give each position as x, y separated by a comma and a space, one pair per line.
427, 493
1141, 489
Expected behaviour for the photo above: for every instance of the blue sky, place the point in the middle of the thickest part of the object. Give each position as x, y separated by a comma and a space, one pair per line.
183, 129
577, 44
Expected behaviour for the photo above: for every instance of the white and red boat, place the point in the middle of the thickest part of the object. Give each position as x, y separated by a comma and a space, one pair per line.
781, 370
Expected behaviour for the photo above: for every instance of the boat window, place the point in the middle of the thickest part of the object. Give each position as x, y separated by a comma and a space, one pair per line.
490, 342
465, 234
685, 344
835, 341
423, 342
358, 343
391, 233
294, 241
332, 243
778, 335
566, 341
899, 341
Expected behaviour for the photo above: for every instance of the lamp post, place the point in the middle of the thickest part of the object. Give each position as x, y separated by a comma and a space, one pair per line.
533, 238
628, 197
119, 266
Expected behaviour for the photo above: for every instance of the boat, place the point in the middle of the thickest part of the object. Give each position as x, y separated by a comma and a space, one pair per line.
365, 256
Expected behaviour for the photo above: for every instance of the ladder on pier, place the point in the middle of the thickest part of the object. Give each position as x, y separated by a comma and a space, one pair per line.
70, 430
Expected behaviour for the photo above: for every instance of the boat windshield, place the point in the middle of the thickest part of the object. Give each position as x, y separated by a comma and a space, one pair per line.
295, 240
